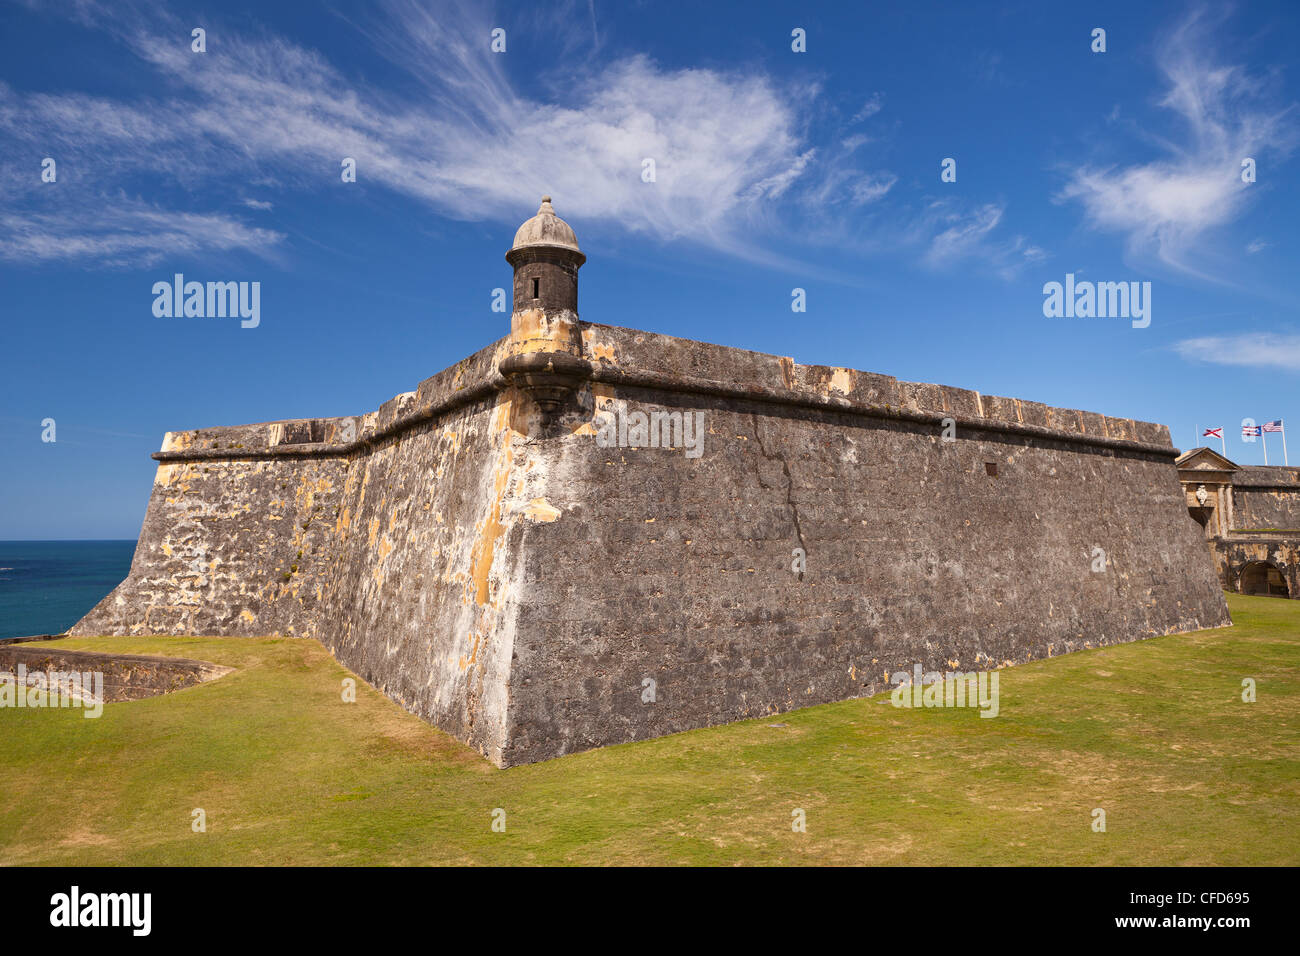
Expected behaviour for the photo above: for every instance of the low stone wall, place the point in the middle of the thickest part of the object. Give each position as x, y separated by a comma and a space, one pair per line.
126, 676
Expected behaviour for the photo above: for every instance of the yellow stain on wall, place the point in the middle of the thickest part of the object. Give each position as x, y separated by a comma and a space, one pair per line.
842, 381
483, 552
533, 331
177, 441
473, 653
598, 350
787, 371
492, 528
539, 509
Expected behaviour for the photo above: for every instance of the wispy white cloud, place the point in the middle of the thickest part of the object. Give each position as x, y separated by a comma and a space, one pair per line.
1164, 206
871, 188
470, 145
964, 232
874, 104
960, 232
123, 232
1256, 349
465, 140
1256, 245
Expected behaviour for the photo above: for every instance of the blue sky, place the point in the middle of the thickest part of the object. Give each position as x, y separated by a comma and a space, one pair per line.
775, 170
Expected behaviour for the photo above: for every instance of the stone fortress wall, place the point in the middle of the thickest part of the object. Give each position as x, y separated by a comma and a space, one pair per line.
479, 550
1267, 496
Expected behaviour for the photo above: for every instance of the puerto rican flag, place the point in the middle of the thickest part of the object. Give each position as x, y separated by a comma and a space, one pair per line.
1213, 432
1273, 426
1249, 430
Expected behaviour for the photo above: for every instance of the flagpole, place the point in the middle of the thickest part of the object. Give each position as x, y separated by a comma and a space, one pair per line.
1263, 440
1223, 443
1285, 460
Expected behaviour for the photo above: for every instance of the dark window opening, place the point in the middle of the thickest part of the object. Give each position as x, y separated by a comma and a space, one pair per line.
537, 288
302, 432
991, 469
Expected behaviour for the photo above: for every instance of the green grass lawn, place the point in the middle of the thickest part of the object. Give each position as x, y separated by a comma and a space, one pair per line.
1155, 733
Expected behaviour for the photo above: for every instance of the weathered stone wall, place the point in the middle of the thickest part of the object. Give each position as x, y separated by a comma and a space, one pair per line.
228, 546
504, 576
394, 538
679, 571
1266, 497
430, 547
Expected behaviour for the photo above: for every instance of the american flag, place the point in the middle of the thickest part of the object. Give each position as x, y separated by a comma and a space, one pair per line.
1248, 430
1273, 426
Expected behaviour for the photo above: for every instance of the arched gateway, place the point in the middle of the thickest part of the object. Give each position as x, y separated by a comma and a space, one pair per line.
1263, 578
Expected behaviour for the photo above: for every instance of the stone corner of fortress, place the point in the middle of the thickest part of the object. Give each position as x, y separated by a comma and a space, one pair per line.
585, 534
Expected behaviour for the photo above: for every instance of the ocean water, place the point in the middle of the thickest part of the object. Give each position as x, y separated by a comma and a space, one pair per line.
46, 586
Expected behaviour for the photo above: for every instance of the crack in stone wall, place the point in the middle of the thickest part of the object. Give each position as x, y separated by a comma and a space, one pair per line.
789, 486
